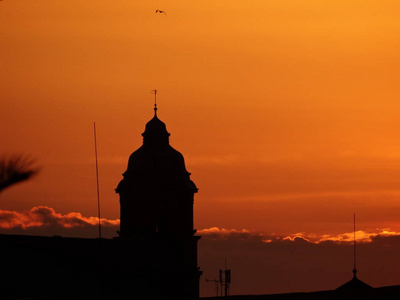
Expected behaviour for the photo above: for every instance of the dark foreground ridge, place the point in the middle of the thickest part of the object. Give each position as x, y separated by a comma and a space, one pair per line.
38, 267
389, 292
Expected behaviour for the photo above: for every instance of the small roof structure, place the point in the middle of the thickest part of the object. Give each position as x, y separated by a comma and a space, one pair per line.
354, 284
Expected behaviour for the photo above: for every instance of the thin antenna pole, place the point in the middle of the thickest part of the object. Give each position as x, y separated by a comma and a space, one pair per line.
97, 177
226, 280
354, 244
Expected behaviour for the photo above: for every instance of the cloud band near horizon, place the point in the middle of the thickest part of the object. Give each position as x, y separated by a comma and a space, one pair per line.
45, 219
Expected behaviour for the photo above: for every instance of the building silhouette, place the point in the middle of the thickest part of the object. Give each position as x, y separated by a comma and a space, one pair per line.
156, 193
156, 197
154, 255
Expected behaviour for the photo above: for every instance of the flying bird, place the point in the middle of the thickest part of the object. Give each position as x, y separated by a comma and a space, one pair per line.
161, 12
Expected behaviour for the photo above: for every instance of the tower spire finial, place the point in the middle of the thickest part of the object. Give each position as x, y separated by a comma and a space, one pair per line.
155, 101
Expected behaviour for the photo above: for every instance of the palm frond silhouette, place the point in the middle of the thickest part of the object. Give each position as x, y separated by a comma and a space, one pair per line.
15, 169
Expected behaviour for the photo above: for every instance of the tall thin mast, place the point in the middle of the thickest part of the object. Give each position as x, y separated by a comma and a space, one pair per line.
354, 244
97, 178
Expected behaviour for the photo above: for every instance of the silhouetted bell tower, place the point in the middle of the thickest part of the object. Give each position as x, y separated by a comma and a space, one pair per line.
156, 193
156, 198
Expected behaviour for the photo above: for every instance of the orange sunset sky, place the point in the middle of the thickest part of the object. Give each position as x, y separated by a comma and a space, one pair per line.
287, 112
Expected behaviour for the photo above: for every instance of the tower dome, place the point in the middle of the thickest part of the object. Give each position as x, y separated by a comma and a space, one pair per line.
156, 157
155, 127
